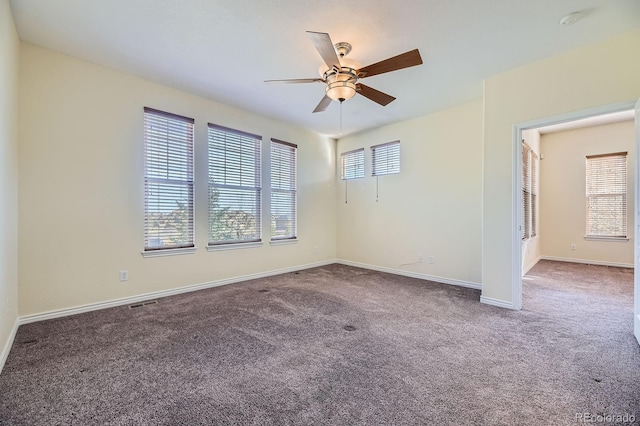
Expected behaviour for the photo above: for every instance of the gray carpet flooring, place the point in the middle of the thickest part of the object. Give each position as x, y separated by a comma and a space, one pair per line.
341, 346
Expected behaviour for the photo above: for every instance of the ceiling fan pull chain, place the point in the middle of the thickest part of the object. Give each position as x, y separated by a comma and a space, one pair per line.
341, 118
346, 189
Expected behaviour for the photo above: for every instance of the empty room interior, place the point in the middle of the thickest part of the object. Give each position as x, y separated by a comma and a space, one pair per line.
319, 213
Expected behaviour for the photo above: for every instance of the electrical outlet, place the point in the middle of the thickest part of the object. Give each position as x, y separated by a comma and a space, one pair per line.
432, 260
124, 276
420, 259
573, 246
315, 249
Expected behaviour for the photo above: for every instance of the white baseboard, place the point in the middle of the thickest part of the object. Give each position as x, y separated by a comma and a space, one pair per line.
497, 302
8, 344
411, 274
26, 319
531, 265
588, 262
164, 293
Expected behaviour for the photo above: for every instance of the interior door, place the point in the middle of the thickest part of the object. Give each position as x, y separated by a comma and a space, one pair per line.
636, 275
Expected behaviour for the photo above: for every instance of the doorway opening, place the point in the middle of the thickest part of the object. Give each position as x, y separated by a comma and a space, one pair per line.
527, 242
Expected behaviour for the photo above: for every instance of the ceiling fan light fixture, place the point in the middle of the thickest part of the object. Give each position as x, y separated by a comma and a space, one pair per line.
341, 90
341, 86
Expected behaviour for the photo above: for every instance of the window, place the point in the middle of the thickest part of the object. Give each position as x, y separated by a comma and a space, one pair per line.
529, 192
385, 159
234, 186
353, 164
283, 190
607, 195
168, 181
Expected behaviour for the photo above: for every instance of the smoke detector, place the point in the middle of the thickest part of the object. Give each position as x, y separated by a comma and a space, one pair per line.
571, 18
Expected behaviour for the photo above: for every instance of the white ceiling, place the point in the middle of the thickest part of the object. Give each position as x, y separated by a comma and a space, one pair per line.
223, 50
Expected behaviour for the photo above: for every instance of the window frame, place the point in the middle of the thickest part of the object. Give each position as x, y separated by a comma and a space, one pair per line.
151, 144
530, 189
352, 164
277, 152
237, 166
390, 164
590, 182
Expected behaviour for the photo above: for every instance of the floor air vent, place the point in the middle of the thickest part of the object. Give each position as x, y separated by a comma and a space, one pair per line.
141, 304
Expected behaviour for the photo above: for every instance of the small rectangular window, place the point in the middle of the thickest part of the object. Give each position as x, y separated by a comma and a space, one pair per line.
353, 164
606, 182
283, 190
534, 193
168, 181
234, 186
385, 159
529, 192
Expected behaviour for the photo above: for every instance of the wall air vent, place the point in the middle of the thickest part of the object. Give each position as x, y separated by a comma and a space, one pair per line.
141, 304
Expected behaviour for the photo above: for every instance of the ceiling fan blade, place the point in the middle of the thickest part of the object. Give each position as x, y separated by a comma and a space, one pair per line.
373, 94
404, 60
324, 45
324, 103
296, 80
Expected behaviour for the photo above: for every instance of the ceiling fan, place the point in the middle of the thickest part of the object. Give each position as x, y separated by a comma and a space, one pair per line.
341, 75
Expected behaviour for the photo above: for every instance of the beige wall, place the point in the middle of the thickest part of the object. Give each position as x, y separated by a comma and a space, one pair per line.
9, 59
531, 248
81, 188
595, 75
562, 198
80, 172
431, 208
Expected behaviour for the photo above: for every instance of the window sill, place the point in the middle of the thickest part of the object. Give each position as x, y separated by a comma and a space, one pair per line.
596, 238
168, 252
234, 246
283, 242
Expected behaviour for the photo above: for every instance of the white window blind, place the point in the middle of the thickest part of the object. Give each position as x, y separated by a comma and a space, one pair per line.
385, 158
353, 164
168, 181
234, 186
529, 192
607, 195
534, 193
526, 191
283, 190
